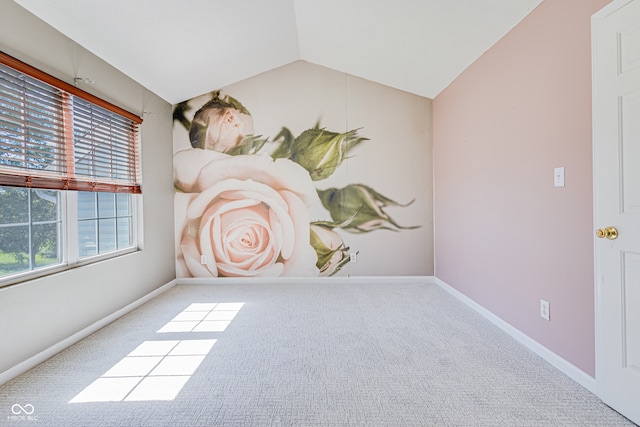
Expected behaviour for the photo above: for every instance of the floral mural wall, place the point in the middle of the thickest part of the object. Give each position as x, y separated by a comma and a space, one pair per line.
271, 178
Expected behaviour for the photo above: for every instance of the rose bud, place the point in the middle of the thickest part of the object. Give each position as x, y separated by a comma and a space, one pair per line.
331, 250
360, 208
220, 124
321, 151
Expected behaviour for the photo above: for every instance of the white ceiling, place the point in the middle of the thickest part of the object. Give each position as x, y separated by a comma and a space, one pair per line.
182, 49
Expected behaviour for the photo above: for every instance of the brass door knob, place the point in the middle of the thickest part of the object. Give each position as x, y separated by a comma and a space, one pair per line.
610, 233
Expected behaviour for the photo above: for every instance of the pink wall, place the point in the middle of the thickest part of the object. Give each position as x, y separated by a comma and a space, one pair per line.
504, 236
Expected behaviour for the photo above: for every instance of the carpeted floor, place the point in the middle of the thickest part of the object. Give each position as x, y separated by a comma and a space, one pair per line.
335, 354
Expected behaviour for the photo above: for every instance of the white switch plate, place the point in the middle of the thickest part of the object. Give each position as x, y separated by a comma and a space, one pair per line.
558, 177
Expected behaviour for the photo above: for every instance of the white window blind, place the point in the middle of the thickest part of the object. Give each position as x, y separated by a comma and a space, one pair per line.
56, 136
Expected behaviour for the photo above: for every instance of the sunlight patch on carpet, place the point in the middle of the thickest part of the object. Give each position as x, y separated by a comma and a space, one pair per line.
155, 370
203, 317
158, 370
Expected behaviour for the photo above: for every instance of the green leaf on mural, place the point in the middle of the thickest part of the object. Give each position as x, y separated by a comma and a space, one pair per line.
360, 208
179, 114
225, 102
321, 151
180, 109
284, 139
250, 144
337, 224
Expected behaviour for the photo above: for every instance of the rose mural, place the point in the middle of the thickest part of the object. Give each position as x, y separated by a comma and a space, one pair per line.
247, 214
243, 202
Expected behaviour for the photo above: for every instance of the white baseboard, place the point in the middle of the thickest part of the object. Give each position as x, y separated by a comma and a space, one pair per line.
573, 372
33, 361
304, 280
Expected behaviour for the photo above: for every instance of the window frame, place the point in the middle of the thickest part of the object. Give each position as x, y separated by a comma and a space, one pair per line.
70, 257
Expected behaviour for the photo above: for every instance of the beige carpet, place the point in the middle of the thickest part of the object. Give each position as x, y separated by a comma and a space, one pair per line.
335, 354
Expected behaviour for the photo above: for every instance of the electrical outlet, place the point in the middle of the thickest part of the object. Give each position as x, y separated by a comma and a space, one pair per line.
353, 257
203, 259
544, 309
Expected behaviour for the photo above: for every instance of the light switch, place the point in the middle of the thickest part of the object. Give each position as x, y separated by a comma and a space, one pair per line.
558, 177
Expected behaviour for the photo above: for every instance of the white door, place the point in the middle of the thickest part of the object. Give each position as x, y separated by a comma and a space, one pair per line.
616, 115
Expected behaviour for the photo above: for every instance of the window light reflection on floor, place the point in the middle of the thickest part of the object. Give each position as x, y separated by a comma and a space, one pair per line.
155, 370
158, 370
203, 317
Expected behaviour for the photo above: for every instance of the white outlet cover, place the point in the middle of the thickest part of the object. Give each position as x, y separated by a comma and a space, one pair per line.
544, 309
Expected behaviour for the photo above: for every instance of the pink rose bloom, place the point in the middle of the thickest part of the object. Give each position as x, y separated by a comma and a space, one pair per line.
248, 215
220, 127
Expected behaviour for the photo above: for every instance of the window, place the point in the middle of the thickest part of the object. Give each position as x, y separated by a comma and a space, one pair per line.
105, 223
30, 229
69, 174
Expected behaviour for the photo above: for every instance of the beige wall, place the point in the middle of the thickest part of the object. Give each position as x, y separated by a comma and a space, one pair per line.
396, 161
37, 314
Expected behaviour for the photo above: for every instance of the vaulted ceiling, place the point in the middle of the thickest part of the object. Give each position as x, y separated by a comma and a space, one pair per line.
182, 49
